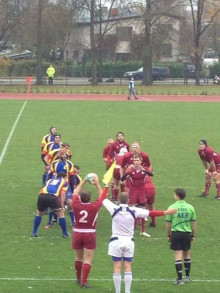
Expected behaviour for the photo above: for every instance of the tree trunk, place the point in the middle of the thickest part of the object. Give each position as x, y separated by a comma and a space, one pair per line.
147, 46
39, 43
93, 46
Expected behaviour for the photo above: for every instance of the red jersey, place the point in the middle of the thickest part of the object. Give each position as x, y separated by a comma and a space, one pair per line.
208, 154
106, 156
86, 213
128, 160
137, 177
118, 147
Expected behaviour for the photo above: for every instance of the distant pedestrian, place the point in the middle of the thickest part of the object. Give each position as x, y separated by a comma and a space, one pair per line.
206, 74
132, 89
50, 73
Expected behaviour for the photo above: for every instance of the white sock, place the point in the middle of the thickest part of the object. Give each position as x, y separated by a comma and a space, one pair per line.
117, 282
128, 281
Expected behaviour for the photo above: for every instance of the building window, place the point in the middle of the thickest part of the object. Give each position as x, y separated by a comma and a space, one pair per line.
124, 33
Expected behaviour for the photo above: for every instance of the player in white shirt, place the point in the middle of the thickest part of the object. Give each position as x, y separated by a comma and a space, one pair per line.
121, 244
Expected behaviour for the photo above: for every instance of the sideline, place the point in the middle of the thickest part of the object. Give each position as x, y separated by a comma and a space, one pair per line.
11, 133
104, 280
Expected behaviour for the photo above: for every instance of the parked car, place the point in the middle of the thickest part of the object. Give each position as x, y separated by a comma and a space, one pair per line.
158, 73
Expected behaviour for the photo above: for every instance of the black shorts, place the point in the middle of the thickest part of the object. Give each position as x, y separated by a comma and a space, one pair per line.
46, 200
180, 241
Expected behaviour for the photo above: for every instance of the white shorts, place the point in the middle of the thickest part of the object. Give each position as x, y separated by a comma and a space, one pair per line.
121, 247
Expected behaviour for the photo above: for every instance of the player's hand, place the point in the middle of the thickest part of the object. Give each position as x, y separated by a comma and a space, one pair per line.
192, 238
169, 238
95, 180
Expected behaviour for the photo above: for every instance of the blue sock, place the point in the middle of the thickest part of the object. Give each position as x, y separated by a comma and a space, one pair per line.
50, 222
44, 178
71, 217
62, 223
37, 221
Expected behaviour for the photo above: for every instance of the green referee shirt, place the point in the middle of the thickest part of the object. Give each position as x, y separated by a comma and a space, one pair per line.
181, 220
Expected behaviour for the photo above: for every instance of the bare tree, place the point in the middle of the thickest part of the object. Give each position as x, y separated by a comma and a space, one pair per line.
40, 8
203, 14
152, 12
10, 12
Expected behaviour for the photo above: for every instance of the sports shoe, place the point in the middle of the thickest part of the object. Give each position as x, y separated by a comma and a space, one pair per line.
78, 282
178, 282
128, 98
145, 234
217, 197
203, 195
48, 226
86, 285
33, 235
66, 235
136, 98
152, 224
187, 279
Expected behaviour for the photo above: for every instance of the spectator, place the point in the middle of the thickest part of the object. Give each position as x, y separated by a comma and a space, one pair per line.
50, 73
216, 79
206, 74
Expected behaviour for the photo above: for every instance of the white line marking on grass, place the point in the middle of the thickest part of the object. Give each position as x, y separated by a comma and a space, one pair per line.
104, 280
11, 133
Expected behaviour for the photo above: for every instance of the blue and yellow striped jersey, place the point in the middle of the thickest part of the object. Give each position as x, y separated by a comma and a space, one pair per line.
55, 186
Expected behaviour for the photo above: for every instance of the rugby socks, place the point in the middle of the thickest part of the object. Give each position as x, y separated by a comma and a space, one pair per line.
122, 187
117, 282
86, 267
78, 268
71, 217
37, 221
44, 178
62, 223
50, 221
128, 281
187, 265
218, 189
207, 187
142, 225
179, 268
116, 192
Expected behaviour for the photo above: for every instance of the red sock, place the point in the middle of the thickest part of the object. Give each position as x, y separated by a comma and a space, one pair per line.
78, 268
116, 192
142, 225
218, 189
85, 272
112, 189
153, 220
207, 187
122, 186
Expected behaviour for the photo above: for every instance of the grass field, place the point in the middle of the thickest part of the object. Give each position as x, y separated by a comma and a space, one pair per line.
168, 132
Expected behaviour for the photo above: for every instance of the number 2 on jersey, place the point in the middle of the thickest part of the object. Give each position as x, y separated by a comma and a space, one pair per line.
84, 216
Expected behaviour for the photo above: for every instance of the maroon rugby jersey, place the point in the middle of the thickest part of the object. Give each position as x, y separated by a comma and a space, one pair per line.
208, 154
86, 213
128, 160
118, 147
